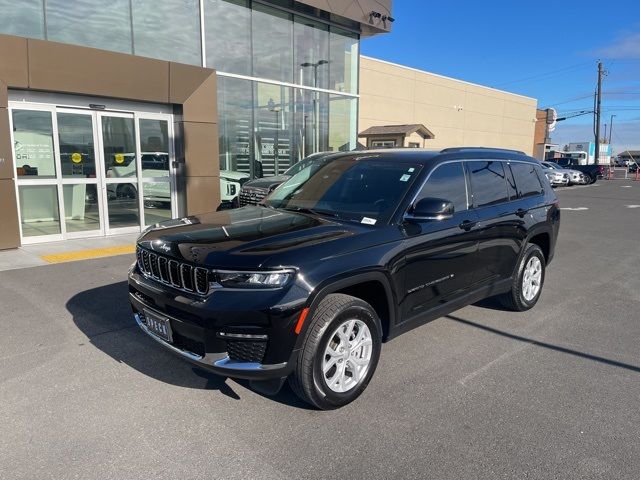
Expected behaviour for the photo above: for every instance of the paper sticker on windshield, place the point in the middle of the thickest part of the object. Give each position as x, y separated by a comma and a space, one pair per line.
411, 170
405, 177
368, 221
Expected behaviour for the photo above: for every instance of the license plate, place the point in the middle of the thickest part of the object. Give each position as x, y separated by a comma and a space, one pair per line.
158, 325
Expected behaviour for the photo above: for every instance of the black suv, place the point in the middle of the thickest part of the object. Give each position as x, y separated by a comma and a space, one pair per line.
343, 256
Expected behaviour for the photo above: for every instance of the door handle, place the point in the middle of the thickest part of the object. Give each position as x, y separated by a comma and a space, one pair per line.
521, 212
467, 225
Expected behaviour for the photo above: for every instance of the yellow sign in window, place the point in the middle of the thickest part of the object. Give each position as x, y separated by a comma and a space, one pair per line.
76, 157
119, 158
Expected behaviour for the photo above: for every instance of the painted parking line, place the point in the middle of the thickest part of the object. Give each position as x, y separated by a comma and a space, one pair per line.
625, 186
88, 254
633, 206
575, 209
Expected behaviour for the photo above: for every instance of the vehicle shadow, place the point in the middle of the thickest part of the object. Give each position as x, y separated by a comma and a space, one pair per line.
550, 346
104, 315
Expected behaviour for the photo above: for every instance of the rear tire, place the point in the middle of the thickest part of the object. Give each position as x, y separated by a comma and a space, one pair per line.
527, 281
340, 352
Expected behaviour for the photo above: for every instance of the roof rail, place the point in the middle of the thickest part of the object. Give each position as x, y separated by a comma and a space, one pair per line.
460, 149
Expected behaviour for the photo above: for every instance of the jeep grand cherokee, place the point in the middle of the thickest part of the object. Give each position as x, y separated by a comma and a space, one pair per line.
367, 245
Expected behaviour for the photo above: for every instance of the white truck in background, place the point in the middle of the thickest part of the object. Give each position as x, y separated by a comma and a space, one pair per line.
585, 153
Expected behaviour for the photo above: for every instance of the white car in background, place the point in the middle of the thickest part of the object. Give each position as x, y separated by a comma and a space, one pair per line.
556, 177
575, 177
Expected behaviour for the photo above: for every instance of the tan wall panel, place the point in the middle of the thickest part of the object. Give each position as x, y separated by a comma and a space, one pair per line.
394, 110
203, 194
487, 117
68, 68
393, 85
13, 61
431, 94
10, 231
6, 151
201, 149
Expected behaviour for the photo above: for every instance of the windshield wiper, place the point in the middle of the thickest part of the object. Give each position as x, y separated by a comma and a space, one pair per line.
312, 211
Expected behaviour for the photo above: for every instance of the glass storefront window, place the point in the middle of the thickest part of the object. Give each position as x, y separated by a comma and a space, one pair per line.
90, 23
119, 143
39, 210
235, 124
273, 129
33, 144
343, 61
228, 35
154, 142
272, 32
81, 207
311, 46
342, 123
75, 136
24, 18
167, 29
157, 202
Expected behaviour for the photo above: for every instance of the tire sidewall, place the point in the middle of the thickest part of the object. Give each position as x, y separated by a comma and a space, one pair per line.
360, 311
531, 251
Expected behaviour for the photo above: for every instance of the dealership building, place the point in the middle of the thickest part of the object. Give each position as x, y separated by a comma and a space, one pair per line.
117, 117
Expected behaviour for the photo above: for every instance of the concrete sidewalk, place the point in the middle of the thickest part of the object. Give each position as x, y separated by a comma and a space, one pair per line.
66, 251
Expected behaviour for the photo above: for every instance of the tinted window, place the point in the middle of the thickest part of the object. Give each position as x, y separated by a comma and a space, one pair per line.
487, 183
447, 182
527, 180
511, 183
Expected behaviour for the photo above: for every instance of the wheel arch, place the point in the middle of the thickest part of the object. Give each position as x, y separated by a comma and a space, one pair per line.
371, 287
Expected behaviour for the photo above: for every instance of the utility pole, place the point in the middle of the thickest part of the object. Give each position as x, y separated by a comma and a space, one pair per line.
598, 105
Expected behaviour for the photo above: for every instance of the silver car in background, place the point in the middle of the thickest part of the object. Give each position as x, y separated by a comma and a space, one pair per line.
575, 177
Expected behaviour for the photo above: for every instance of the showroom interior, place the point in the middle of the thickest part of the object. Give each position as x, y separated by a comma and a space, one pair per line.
157, 109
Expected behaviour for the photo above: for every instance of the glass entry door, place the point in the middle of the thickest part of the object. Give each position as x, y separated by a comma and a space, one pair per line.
83, 173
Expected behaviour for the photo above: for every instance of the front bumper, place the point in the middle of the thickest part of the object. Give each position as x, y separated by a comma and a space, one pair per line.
215, 339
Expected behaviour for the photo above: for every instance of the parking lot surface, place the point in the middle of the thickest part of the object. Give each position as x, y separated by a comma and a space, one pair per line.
482, 393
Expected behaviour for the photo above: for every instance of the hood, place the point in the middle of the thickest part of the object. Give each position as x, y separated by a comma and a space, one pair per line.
254, 237
267, 182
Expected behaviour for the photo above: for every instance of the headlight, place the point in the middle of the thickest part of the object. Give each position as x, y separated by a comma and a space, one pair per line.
272, 279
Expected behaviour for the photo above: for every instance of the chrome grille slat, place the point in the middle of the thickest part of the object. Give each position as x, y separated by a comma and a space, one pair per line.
181, 276
186, 273
174, 274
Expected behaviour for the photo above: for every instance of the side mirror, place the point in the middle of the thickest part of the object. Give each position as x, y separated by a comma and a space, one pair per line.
431, 209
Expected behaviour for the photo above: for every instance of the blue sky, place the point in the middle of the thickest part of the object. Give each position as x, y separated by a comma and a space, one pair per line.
548, 51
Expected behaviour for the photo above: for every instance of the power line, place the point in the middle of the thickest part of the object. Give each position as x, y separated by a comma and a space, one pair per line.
546, 74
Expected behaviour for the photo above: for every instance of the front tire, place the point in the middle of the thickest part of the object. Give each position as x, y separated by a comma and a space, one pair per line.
527, 281
340, 352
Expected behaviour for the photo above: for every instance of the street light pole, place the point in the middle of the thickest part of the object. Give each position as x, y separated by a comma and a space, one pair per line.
611, 127
598, 106
316, 106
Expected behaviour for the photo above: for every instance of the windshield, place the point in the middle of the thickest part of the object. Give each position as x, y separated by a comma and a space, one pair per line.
554, 165
361, 189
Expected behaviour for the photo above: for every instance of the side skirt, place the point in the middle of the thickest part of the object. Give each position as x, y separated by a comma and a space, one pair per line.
446, 308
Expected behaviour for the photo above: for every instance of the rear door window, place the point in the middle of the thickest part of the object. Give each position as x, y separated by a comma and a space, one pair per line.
527, 181
488, 182
448, 183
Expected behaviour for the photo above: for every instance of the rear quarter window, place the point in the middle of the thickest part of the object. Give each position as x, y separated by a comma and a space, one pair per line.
527, 181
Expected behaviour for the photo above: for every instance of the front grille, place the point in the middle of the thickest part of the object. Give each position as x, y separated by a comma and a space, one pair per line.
171, 272
246, 351
251, 195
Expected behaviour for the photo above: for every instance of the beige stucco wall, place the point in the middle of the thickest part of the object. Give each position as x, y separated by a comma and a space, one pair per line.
457, 112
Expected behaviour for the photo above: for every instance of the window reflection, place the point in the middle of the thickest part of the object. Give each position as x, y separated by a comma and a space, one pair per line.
272, 32
33, 144
90, 23
119, 142
228, 35
167, 29
39, 210
24, 18
311, 44
154, 141
81, 207
343, 61
75, 136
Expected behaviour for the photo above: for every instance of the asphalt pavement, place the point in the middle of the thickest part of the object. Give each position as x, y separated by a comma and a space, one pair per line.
482, 393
